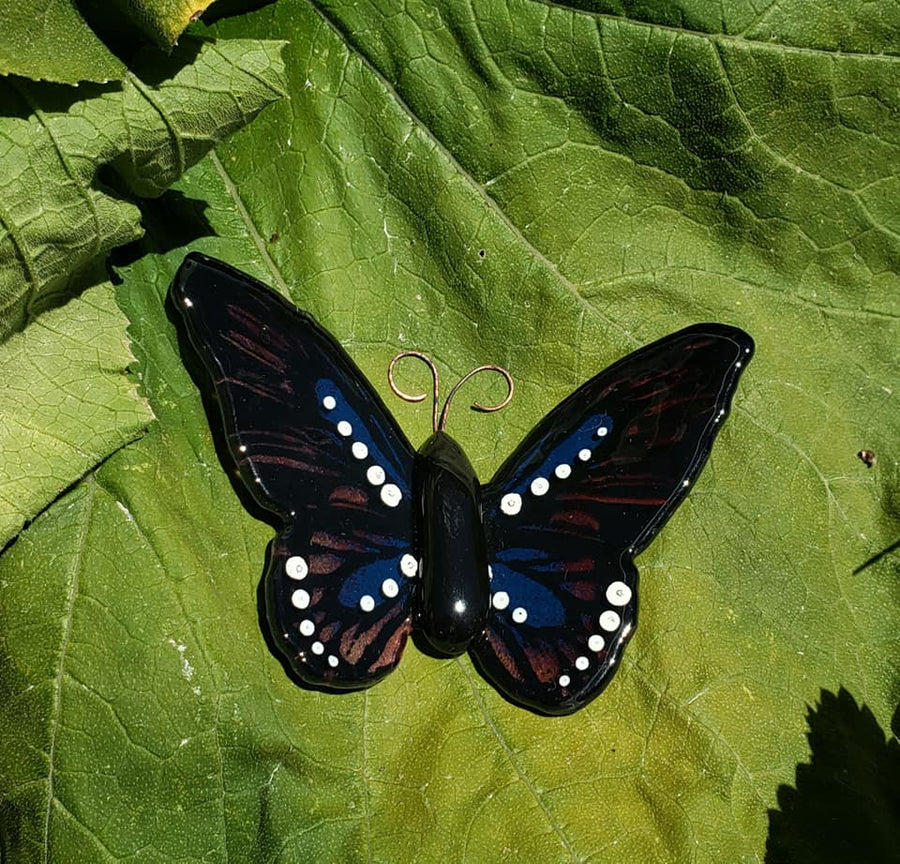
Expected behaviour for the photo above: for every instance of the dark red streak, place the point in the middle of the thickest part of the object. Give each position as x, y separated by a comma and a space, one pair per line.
611, 499
287, 462
502, 653
253, 349
575, 518
255, 326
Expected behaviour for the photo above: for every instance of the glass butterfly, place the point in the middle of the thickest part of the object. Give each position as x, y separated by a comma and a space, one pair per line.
533, 573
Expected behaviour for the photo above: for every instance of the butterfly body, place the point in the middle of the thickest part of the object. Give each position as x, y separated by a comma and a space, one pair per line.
532, 573
454, 592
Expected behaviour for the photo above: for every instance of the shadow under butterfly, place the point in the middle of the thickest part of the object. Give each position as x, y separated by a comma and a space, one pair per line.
533, 573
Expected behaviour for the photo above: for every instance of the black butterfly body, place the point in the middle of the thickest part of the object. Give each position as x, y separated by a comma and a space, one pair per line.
532, 574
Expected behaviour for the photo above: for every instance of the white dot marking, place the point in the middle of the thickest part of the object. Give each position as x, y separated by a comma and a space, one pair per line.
582, 663
584, 455
610, 620
317, 648
686, 483
539, 486
596, 642
329, 402
618, 593
307, 627
519, 615
564, 680
391, 495
375, 475
500, 600
511, 504
367, 603
563, 471
359, 450
332, 660
602, 432
300, 599
345, 429
409, 566
390, 588
296, 567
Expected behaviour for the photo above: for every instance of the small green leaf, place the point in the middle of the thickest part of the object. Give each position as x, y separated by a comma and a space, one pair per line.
65, 403
49, 40
56, 218
53, 40
160, 21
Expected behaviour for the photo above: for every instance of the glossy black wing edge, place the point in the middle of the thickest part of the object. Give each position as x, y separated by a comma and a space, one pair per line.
744, 351
197, 264
502, 660
345, 647
501, 657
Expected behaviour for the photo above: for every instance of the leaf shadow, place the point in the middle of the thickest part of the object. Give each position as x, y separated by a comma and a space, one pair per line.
228, 8
120, 28
13, 829
172, 221
878, 556
845, 805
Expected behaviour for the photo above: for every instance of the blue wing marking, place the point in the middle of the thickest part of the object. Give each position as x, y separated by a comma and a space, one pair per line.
371, 580
341, 411
586, 437
541, 605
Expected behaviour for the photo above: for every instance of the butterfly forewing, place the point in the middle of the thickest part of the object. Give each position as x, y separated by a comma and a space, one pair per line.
314, 443
587, 489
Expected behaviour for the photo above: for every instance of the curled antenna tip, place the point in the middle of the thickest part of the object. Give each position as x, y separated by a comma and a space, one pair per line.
440, 422
418, 397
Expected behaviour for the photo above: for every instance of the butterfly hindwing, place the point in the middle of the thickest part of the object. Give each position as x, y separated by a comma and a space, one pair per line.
583, 494
314, 443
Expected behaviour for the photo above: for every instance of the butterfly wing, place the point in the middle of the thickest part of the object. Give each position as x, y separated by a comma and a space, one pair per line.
584, 493
313, 443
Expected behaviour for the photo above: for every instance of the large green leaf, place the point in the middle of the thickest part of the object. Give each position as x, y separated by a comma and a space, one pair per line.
546, 188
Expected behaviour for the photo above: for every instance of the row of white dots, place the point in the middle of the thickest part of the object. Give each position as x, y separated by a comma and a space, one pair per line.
500, 601
619, 594
317, 647
390, 493
297, 569
511, 503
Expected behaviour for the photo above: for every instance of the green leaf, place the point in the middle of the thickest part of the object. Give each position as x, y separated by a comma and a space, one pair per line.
65, 403
53, 40
545, 188
161, 21
57, 220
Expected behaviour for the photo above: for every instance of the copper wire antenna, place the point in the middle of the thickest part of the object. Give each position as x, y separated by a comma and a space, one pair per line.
439, 419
